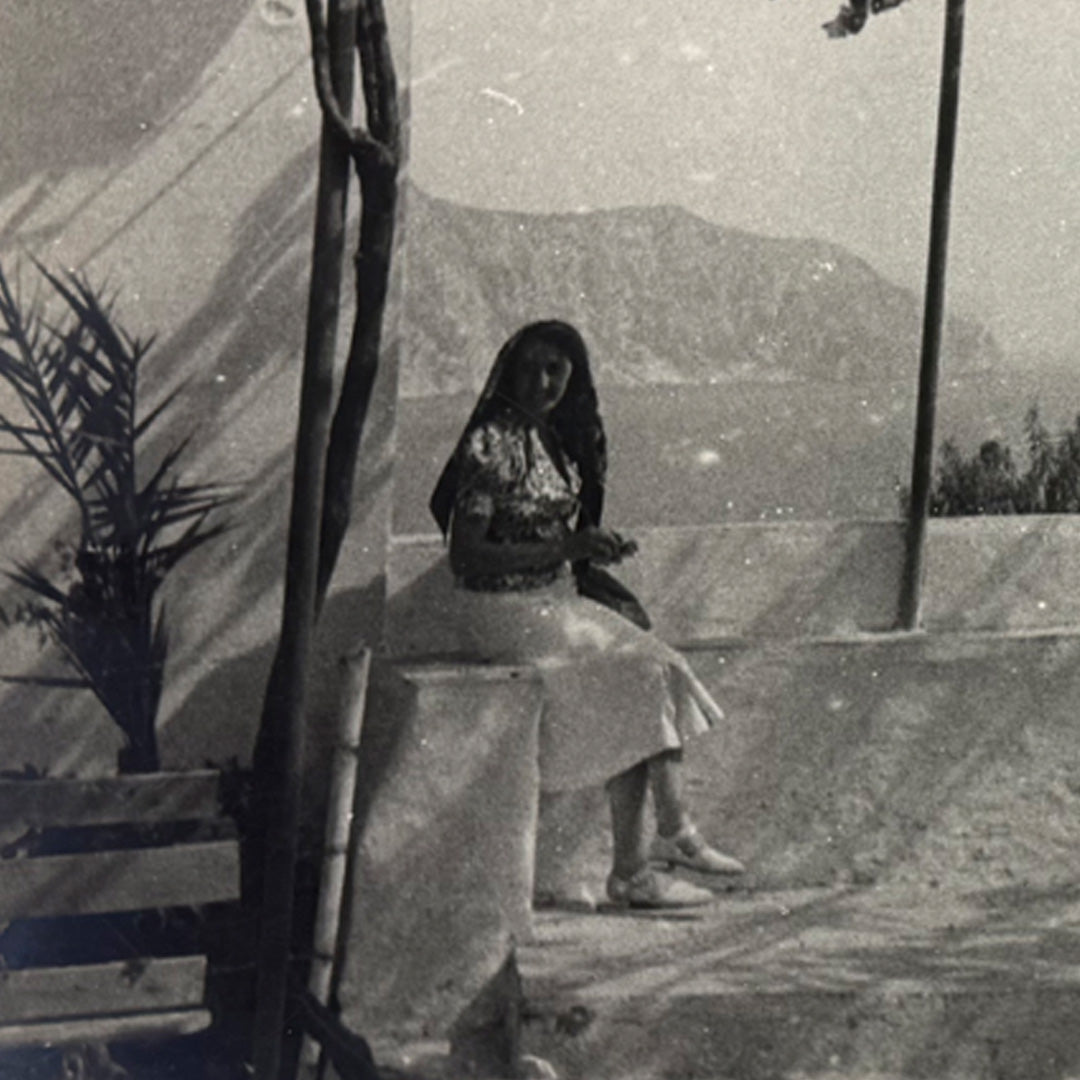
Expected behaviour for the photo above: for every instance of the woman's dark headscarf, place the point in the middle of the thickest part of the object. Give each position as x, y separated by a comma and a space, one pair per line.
575, 420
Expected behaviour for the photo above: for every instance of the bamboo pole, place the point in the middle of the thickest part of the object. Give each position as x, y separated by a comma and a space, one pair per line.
283, 716
933, 318
335, 861
377, 173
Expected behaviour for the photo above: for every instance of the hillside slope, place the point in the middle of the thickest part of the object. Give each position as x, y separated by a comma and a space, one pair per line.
661, 296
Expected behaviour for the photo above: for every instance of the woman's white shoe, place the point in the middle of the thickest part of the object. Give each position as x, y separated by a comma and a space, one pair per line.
688, 848
648, 889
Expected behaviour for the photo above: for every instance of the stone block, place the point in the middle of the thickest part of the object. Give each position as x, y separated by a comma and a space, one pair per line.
443, 874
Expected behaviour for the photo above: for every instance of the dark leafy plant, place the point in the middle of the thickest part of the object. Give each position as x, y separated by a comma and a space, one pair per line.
851, 17
77, 380
989, 481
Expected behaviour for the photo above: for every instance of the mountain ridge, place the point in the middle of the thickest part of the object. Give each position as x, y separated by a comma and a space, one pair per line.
661, 296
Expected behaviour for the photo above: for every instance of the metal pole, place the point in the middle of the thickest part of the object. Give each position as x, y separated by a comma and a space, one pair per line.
287, 686
933, 317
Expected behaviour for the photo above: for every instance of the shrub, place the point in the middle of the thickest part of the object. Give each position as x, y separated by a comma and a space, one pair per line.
989, 481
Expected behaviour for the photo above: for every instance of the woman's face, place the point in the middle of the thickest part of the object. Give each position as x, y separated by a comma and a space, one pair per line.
540, 377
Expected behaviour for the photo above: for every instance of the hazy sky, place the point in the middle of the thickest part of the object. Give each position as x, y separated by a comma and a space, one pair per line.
746, 113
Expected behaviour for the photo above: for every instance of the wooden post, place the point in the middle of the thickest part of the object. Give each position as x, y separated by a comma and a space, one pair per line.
377, 173
933, 318
284, 708
335, 861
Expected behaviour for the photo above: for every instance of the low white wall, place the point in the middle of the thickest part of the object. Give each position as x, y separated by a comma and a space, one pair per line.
801, 579
846, 756
443, 863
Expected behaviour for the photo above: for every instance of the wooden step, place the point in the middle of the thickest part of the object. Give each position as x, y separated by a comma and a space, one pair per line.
132, 986
146, 1026
177, 876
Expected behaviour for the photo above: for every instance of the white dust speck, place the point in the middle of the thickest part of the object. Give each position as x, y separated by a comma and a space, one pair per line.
436, 70
504, 99
692, 52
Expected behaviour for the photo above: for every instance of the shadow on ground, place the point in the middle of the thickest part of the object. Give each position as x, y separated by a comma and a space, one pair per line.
852, 983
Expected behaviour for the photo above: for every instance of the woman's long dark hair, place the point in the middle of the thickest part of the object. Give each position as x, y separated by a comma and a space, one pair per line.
575, 420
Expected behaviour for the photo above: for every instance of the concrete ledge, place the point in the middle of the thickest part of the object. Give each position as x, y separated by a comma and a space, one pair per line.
797, 580
943, 764
443, 868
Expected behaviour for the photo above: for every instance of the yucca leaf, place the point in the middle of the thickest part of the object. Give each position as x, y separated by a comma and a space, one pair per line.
144, 424
182, 496
152, 490
57, 461
90, 314
83, 303
74, 349
140, 346
18, 334
112, 468
168, 555
14, 370
19, 429
36, 582
67, 403
178, 516
103, 427
41, 455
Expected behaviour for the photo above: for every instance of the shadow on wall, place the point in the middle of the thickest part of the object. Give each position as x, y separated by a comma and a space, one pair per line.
220, 717
250, 328
97, 76
420, 616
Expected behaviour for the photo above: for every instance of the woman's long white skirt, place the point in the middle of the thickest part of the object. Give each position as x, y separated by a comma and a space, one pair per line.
614, 695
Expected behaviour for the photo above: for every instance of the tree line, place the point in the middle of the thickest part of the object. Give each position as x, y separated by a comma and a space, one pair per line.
990, 481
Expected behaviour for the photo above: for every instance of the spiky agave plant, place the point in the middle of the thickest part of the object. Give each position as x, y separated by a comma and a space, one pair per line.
77, 380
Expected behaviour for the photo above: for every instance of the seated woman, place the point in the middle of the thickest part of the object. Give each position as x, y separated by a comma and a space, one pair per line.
520, 501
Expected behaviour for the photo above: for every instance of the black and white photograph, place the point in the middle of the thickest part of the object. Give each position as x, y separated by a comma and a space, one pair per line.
539, 540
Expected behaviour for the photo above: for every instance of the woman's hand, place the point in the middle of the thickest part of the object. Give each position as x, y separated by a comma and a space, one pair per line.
602, 546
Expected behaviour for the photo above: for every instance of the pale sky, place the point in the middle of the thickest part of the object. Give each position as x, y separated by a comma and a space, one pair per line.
747, 114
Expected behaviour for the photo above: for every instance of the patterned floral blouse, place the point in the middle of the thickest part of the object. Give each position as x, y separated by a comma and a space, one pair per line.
508, 475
